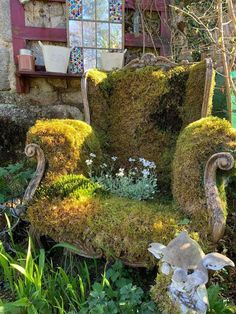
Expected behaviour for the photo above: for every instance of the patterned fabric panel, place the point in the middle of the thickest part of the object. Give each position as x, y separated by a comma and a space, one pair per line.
74, 9
116, 11
76, 61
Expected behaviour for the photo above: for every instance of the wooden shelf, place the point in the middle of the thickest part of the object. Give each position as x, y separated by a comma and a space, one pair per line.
22, 78
47, 74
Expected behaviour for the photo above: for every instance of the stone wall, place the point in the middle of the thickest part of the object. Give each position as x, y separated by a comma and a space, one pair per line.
48, 98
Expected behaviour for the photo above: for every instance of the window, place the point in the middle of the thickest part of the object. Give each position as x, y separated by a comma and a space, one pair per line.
94, 26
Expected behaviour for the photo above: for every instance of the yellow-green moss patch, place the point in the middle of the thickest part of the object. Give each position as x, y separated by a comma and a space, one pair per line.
66, 144
195, 145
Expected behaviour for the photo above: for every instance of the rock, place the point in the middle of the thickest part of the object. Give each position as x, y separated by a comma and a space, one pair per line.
16, 120
75, 83
57, 83
27, 115
4, 68
73, 98
41, 14
5, 22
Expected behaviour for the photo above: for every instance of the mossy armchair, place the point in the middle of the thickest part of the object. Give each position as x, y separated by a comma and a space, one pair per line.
135, 112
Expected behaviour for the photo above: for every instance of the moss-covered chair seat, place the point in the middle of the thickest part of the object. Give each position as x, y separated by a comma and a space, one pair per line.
139, 112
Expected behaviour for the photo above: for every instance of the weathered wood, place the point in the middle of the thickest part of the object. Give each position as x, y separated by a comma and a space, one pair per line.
32, 150
84, 91
149, 59
207, 89
223, 161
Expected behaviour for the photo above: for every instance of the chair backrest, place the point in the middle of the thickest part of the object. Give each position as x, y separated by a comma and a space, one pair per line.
139, 111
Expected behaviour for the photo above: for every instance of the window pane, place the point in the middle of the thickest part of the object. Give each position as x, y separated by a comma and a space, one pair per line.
116, 36
89, 59
76, 61
88, 10
102, 35
99, 55
116, 10
89, 37
102, 10
75, 31
75, 9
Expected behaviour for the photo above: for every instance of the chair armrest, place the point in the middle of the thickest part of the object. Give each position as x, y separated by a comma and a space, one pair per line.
222, 161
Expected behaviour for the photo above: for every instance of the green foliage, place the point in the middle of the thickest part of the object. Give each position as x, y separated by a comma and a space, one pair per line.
75, 186
197, 35
218, 304
116, 294
13, 181
34, 285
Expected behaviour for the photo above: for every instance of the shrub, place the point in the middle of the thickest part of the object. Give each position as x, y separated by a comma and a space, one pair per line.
195, 145
66, 144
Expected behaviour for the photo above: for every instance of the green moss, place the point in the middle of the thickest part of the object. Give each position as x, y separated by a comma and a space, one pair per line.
122, 228
195, 145
66, 144
98, 105
75, 186
160, 295
195, 92
140, 112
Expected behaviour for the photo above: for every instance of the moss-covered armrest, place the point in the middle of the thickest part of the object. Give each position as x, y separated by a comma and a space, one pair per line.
204, 146
66, 145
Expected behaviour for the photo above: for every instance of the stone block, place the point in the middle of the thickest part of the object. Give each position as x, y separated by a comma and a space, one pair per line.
74, 83
41, 14
74, 98
4, 68
5, 21
57, 83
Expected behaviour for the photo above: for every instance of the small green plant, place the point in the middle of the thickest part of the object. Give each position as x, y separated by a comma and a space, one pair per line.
138, 182
117, 294
32, 284
218, 304
13, 181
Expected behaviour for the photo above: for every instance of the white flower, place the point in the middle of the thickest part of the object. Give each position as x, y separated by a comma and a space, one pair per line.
89, 162
131, 159
114, 158
92, 155
121, 172
152, 165
145, 173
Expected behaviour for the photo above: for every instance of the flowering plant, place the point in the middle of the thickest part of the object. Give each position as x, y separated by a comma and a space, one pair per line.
137, 182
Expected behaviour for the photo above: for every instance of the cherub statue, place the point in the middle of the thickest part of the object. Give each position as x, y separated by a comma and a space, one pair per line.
184, 259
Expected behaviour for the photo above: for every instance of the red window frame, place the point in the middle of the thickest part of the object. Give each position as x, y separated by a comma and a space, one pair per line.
22, 33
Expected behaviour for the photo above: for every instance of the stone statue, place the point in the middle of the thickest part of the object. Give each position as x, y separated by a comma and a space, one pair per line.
188, 266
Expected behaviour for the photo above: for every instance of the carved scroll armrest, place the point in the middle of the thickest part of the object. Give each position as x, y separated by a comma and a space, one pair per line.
223, 161
30, 151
